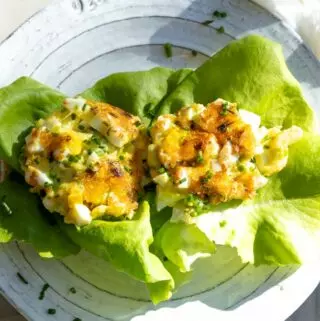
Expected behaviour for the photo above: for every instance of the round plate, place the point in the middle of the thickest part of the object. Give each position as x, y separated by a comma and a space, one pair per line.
70, 45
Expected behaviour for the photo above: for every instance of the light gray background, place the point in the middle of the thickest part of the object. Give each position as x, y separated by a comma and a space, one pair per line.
12, 14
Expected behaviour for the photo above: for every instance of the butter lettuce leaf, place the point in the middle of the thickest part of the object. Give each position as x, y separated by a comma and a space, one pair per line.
182, 244
23, 218
252, 72
140, 92
282, 224
126, 245
21, 104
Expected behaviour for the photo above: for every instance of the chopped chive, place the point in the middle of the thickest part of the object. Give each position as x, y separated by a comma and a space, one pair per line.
223, 223
95, 140
206, 178
182, 180
137, 123
81, 127
127, 169
37, 161
43, 291
5, 206
168, 49
121, 157
73, 290
241, 167
199, 158
225, 108
253, 160
219, 14
73, 158
194, 52
207, 22
220, 29
51, 311
73, 116
161, 170
22, 279
266, 146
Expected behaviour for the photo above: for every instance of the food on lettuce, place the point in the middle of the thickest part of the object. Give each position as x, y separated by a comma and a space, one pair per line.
214, 154
279, 225
87, 161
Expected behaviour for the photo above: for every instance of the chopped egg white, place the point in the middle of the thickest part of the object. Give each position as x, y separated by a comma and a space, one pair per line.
74, 105
40, 177
162, 179
183, 179
82, 214
215, 165
226, 156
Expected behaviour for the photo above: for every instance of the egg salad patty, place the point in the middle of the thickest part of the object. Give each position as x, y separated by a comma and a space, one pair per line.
87, 161
213, 154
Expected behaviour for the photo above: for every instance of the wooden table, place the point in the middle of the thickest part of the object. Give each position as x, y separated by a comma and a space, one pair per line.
12, 14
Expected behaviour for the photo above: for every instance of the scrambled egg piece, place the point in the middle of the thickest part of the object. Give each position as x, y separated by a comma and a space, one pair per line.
87, 161
214, 154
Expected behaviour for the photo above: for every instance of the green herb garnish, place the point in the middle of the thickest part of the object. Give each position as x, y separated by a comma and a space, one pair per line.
206, 178
43, 291
161, 170
225, 108
81, 127
219, 14
121, 157
51, 311
182, 180
5, 206
96, 140
37, 161
73, 290
73, 116
241, 167
207, 22
168, 49
220, 29
74, 158
127, 169
199, 158
22, 279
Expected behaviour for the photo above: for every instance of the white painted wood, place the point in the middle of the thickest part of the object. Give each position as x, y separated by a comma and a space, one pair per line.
82, 41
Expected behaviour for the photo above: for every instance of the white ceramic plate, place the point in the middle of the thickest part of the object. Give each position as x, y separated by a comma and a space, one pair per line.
70, 45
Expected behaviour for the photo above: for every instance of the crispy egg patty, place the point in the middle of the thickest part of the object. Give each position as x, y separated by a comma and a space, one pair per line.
214, 154
87, 161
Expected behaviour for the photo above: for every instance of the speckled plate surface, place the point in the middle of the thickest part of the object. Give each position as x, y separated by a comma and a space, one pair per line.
70, 45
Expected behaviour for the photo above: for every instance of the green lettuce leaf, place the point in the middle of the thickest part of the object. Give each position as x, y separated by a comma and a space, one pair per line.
282, 224
21, 104
182, 244
252, 72
126, 245
23, 218
137, 92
